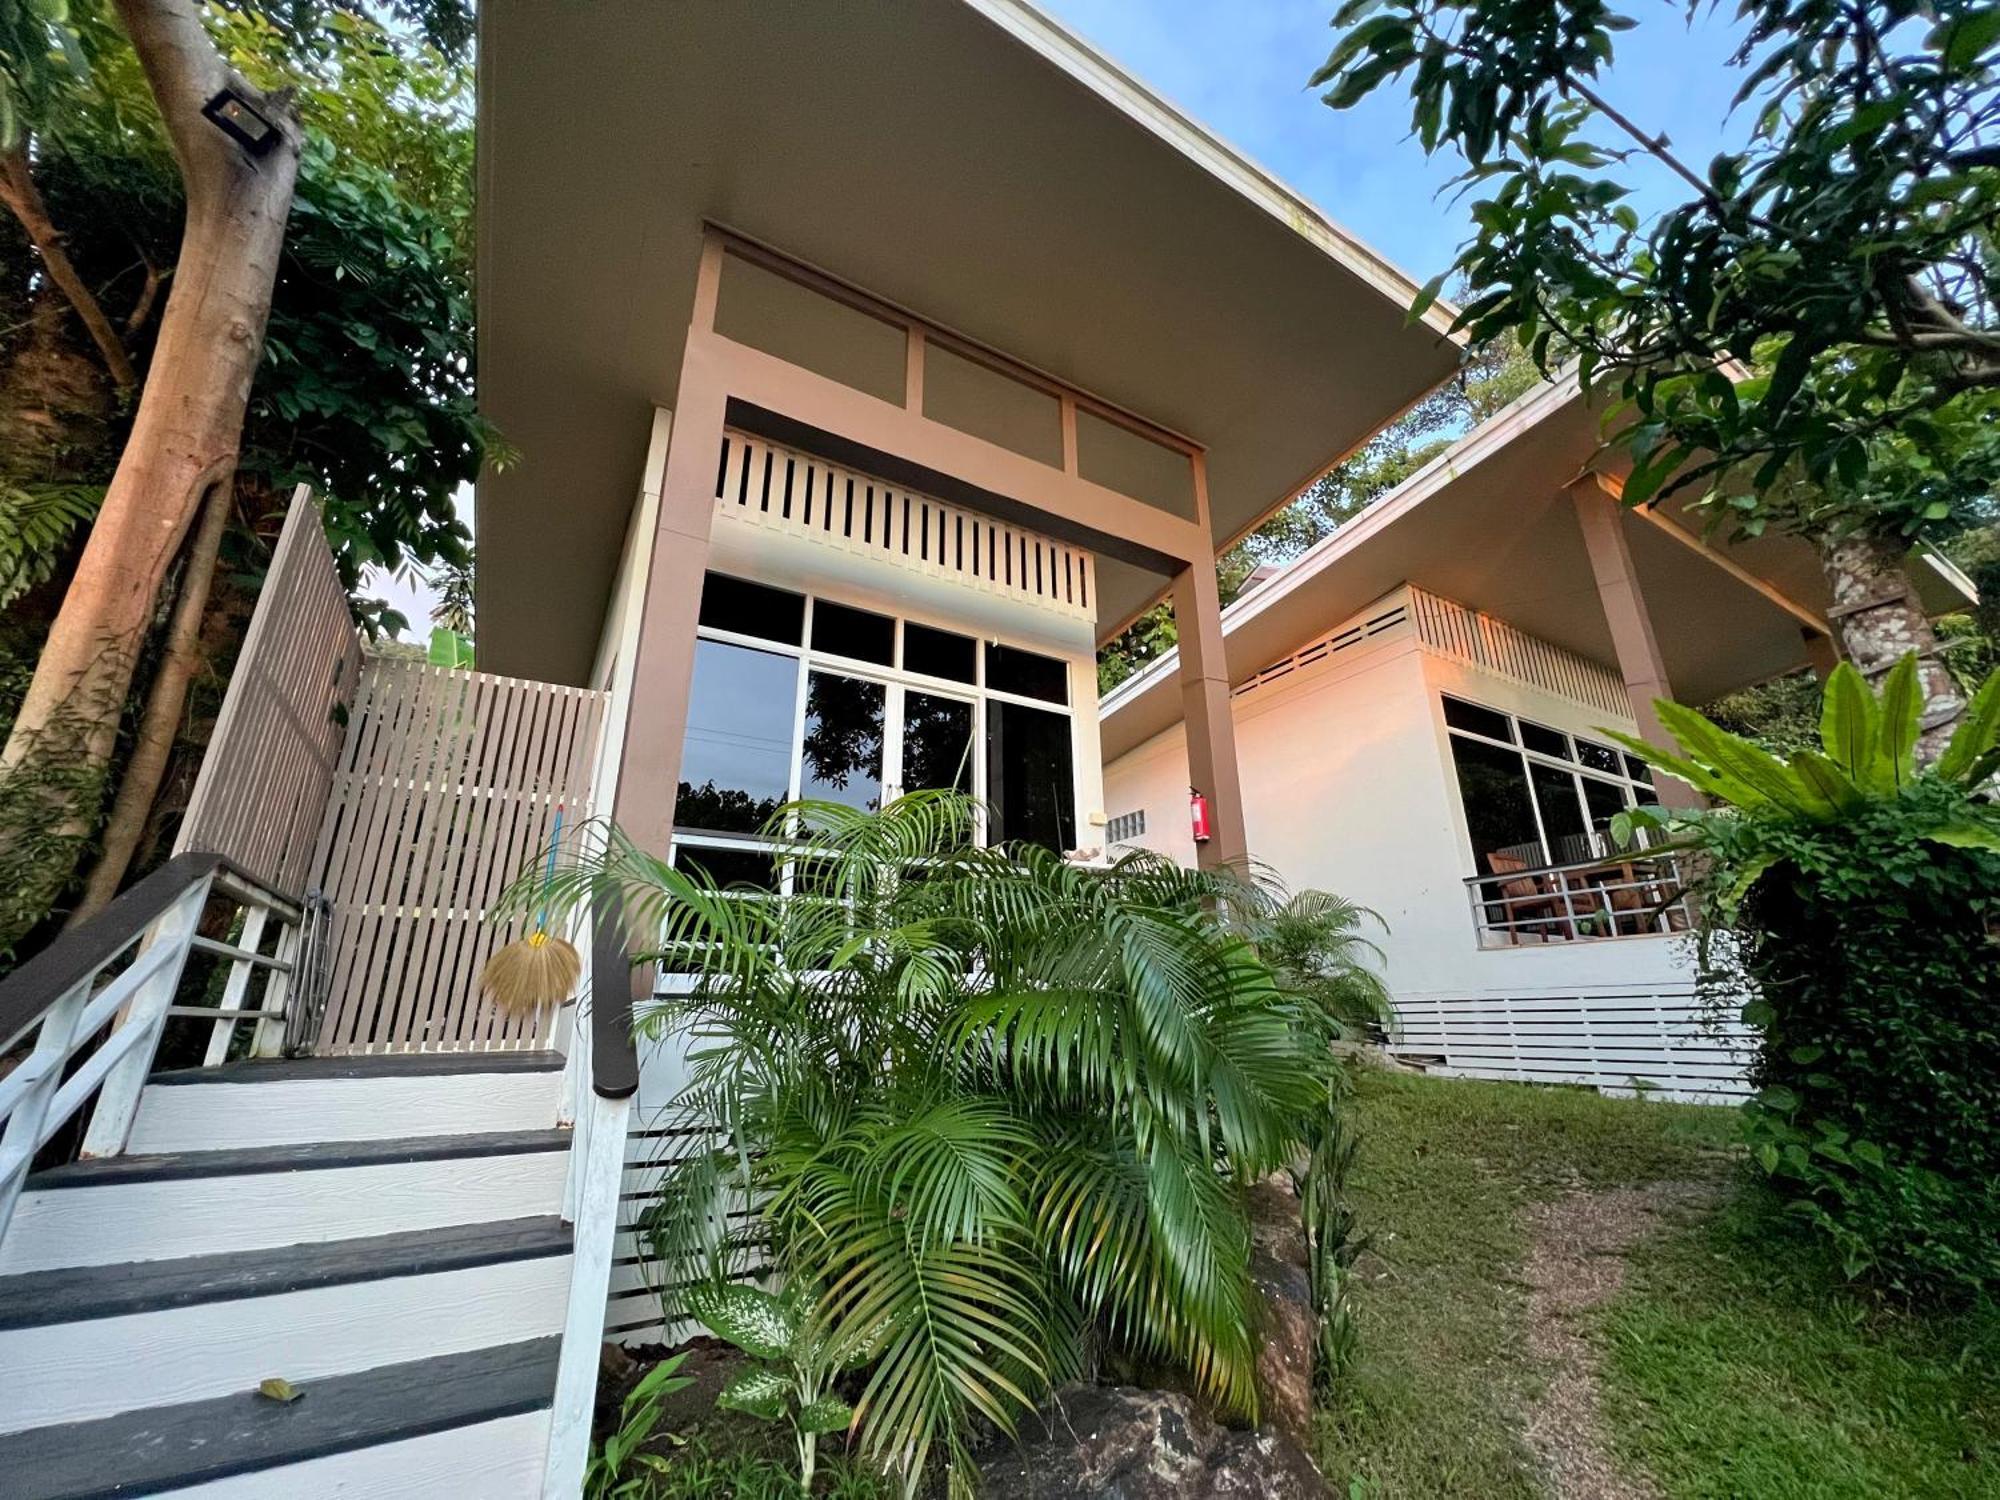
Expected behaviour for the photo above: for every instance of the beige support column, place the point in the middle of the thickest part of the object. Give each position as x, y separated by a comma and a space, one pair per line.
649, 762
1205, 705
1599, 514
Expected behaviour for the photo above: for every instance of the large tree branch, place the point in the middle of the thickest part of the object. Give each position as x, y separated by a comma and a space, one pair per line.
24, 199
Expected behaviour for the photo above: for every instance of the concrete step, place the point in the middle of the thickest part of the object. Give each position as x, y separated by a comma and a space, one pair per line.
465, 1426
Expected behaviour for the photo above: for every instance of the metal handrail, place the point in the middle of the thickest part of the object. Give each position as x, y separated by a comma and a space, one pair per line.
1558, 906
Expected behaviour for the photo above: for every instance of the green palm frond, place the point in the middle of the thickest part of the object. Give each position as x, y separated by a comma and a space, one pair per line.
981, 1104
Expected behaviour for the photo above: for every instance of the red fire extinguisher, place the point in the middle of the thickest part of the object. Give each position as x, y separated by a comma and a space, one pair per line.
1198, 815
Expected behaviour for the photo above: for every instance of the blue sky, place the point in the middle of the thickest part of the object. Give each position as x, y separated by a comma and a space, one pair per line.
1240, 67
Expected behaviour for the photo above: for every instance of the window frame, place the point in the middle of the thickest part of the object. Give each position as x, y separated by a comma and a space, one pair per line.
1628, 785
898, 682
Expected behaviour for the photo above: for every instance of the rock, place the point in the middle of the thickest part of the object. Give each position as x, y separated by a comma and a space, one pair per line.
1285, 1356
1121, 1443
1289, 1327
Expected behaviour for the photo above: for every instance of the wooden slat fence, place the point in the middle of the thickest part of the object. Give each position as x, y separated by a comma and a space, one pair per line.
263, 785
447, 786
1618, 1039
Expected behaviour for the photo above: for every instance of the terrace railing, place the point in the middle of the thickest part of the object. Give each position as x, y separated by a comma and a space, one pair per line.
1631, 895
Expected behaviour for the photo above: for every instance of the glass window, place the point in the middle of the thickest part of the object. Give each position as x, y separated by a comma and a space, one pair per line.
736, 763
1604, 800
1471, 717
751, 609
1493, 784
843, 741
1562, 814
940, 653
726, 867
1523, 811
1030, 780
1028, 674
1544, 741
937, 742
1638, 770
1598, 757
858, 633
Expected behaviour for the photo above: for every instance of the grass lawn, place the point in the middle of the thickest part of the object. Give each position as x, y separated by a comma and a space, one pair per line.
1733, 1365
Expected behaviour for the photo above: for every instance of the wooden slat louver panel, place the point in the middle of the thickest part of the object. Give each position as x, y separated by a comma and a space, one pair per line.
763, 484
263, 784
447, 789
1453, 630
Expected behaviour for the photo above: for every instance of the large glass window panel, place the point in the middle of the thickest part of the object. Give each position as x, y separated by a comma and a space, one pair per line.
937, 743
843, 741
1030, 779
752, 609
736, 762
1562, 814
1493, 785
859, 633
1029, 674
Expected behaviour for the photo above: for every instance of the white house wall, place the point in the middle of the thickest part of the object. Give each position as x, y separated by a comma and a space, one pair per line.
1348, 786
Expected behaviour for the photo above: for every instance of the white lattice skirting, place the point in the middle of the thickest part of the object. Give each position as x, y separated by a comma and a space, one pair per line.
1624, 1040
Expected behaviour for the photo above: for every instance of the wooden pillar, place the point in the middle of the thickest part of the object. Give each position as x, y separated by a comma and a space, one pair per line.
662, 668
1205, 703
1599, 514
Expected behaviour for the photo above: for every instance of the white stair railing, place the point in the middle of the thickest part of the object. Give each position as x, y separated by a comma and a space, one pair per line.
91, 1008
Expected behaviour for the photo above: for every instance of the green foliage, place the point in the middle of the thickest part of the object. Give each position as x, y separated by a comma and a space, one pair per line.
1853, 899
620, 1469
987, 1109
36, 523
1738, 1367
1314, 944
709, 1469
1842, 258
797, 1362
365, 391
1444, 1177
448, 648
1492, 377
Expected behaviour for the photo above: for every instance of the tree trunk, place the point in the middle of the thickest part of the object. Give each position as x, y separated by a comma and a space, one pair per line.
165, 700
184, 436
24, 199
1880, 621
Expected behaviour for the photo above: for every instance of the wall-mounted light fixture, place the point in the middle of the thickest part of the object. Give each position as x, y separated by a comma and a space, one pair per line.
240, 120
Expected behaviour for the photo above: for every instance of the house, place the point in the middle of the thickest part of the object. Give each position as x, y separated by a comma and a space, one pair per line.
867, 367
1420, 702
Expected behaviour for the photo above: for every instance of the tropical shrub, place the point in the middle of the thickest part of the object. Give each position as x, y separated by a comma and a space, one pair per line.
1852, 898
793, 1377
985, 1111
620, 1468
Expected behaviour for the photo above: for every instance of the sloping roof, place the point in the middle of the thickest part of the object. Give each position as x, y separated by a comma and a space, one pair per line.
1487, 523
967, 159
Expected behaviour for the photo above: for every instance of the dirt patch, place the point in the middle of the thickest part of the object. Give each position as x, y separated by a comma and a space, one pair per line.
1576, 1263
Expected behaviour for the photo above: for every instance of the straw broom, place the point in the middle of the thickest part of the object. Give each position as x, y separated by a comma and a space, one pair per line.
539, 969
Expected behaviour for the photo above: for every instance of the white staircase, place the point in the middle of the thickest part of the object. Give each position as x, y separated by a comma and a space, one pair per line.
383, 1233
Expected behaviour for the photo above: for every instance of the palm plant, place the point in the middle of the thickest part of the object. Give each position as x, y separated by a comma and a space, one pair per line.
988, 1109
1315, 943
